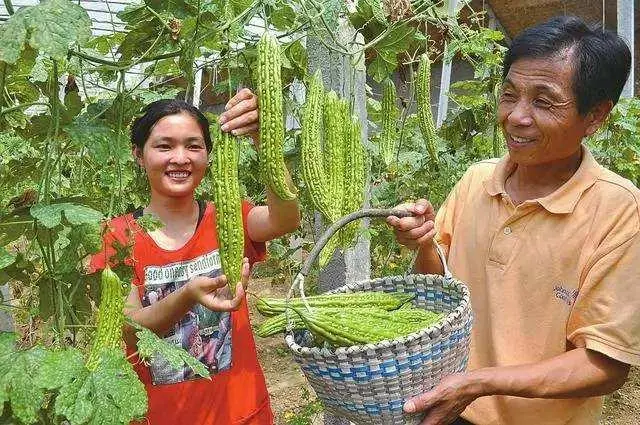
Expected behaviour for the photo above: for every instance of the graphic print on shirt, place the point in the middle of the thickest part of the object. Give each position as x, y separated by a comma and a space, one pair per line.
205, 334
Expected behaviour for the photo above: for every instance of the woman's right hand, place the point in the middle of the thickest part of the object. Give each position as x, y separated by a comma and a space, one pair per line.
214, 293
417, 230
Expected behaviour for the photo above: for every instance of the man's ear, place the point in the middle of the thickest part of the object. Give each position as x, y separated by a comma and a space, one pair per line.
597, 116
137, 154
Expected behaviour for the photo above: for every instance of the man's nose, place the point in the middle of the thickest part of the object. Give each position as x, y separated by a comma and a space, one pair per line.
520, 115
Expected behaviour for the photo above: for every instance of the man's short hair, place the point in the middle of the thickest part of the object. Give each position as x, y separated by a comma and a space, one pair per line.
601, 59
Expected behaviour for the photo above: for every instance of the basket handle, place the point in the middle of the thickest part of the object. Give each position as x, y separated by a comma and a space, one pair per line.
331, 230
298, 281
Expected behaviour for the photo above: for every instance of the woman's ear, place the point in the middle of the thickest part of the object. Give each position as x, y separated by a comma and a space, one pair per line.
597, 116
137, 154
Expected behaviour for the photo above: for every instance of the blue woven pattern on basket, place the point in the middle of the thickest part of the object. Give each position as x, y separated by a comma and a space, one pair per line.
390, 368
369, 408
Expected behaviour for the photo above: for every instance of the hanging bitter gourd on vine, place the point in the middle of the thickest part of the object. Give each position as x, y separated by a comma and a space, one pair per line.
389, 135
271, 157
333, 156
110, 317
311, 158
228, 205
354, 177
333, 148
423, 100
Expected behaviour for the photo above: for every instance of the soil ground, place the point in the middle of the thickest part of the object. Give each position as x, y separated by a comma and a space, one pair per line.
293, 400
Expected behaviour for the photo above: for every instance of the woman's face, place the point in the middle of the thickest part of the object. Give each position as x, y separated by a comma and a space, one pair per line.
175, 156
538, 111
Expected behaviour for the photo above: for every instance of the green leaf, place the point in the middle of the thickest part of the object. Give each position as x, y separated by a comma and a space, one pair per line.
17, 384
14, 225
149, 222
73, 103
283, 16
7, 346
297, 56
377, 10
59, 368
96, 137
50, 215
239, 6
120, 397
56, 25
12, 37
74, 399
382, 66
80, 214
6, 258
150, 345
397, 40
39, 72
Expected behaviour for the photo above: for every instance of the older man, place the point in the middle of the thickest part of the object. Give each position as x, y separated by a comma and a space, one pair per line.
547, 240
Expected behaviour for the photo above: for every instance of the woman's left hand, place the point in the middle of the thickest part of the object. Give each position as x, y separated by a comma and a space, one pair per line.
241, 117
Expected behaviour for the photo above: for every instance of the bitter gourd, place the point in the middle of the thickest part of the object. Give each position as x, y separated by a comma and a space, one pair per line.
228, 205
110, 317
272, 118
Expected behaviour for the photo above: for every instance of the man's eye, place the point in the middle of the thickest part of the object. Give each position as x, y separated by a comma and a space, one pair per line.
542, 103
506, 96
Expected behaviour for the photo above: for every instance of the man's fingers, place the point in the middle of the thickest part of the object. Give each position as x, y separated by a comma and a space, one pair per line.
409, 223
242, 107
427, 237
420, 403
239, 97
244, 120
246, 130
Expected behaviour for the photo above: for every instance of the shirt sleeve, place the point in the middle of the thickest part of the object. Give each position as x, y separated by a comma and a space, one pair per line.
605, 317
448, 211
254, 251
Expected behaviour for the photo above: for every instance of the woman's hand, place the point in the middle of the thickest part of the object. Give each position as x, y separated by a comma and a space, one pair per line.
241, 117
214, 293
417, 230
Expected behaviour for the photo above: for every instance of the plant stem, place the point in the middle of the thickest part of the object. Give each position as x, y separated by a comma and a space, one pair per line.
9, 6
21, 106
3, 74
119, 66
166, 25
55, 116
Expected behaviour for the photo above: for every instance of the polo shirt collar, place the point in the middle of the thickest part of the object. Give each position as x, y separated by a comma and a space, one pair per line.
564, 199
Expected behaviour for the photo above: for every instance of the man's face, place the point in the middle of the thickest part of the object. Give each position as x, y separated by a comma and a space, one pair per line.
538, 111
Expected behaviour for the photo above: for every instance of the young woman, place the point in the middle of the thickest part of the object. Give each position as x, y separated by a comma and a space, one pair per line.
178, 289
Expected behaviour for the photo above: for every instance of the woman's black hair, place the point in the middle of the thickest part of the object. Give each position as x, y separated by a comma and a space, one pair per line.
154, 111
601, 59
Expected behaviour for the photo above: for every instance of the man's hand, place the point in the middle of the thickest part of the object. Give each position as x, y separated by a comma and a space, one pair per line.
214, 294
444, 403
417, 230
241, 115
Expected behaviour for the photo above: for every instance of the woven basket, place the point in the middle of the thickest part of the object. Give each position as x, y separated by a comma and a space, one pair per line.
368, 384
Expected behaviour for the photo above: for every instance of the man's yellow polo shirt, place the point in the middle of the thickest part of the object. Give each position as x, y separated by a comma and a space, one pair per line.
551, 274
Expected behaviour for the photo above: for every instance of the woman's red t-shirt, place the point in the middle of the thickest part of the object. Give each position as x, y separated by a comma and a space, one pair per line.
236, 393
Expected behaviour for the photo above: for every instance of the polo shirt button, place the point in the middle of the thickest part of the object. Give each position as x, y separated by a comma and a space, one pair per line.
507, 230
